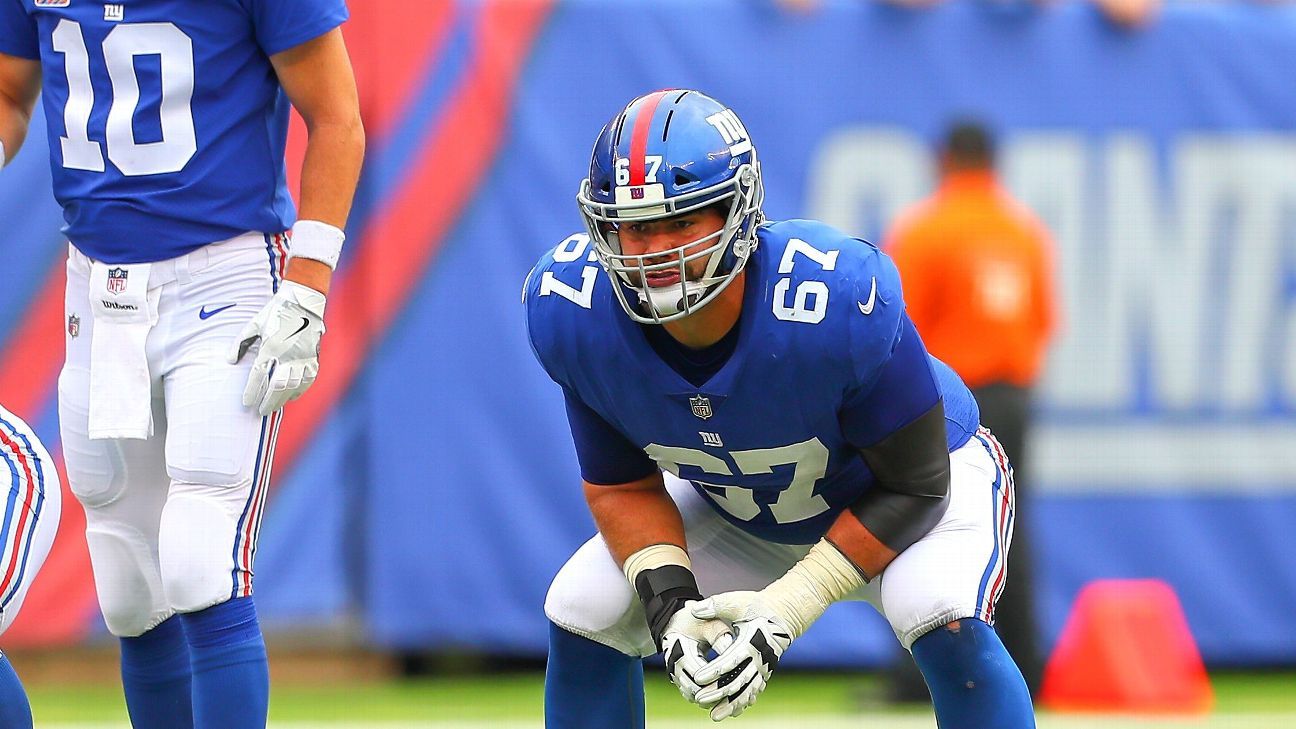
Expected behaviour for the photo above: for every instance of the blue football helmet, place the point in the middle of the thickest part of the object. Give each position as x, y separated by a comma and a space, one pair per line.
667, 153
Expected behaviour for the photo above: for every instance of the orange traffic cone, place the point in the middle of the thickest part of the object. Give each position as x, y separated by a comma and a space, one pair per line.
1126, 647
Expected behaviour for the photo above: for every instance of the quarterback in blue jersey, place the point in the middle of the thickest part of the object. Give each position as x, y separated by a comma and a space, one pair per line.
758, 422
198, 295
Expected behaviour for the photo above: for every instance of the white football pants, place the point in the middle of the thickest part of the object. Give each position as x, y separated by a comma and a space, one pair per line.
30, 501
956, 571
172, 521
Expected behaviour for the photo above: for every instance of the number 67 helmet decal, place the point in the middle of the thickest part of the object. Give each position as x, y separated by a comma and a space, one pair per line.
671, 152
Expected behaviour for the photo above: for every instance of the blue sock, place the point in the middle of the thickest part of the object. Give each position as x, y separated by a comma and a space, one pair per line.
591, 686
15, 712
974, 682
155, 677
231, 677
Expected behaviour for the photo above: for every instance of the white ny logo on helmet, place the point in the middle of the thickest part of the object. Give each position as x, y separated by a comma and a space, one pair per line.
735, 134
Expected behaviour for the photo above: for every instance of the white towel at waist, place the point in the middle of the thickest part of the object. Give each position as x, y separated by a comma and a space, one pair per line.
124, 311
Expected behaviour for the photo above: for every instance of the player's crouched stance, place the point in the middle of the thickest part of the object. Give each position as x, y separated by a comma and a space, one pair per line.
29, 517
765, 428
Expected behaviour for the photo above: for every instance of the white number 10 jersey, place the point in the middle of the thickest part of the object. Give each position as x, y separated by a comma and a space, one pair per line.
167, 124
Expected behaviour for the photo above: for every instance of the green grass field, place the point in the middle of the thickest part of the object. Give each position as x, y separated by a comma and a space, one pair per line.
798, 700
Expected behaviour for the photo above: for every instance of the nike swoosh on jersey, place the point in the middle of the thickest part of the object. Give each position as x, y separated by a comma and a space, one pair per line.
204, 314
866, 308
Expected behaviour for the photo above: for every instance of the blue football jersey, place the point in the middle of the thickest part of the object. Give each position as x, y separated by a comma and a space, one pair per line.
763, 439
167, 124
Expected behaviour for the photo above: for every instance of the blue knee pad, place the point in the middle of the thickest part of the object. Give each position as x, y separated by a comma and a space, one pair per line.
973, 681
591, 686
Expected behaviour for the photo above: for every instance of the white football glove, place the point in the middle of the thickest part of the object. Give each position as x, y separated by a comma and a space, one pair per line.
684, 645
732, 681
287, 360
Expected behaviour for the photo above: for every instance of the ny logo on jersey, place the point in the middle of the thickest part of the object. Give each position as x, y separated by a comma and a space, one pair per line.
116, 280
711, 439
114, 12
701, 406
735, 134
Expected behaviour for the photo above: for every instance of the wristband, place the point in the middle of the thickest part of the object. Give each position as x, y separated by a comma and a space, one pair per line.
317, 241
3, 159
661, 574
654, 555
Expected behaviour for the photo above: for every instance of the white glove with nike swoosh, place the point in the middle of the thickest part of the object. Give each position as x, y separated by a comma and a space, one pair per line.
731, 682
765, 623
684, 645
289, 328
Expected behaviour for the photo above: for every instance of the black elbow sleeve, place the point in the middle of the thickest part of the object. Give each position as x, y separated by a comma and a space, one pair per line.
912, 471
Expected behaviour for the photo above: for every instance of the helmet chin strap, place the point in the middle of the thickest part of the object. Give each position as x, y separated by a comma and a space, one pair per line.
669, 301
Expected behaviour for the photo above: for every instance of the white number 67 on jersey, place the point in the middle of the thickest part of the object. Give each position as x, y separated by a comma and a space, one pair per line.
795, 503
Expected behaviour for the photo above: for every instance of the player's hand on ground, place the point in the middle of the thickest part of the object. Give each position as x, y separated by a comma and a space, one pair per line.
288, 328
685, 643
732, 681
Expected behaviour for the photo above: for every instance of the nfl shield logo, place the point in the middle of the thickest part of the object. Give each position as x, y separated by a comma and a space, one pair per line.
74, 325
116, 280
701, 406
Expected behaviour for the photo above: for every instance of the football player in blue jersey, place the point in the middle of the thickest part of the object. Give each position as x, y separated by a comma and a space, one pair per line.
758, 422
199, 315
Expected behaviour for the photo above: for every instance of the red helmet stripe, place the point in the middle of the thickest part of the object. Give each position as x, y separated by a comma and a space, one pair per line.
639, 136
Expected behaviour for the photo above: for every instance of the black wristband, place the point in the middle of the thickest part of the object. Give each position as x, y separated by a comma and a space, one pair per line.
663, 591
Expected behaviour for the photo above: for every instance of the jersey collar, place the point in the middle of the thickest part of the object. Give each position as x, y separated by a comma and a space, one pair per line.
665, 379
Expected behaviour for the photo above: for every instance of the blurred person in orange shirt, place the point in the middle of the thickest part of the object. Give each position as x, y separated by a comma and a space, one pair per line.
977, 270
